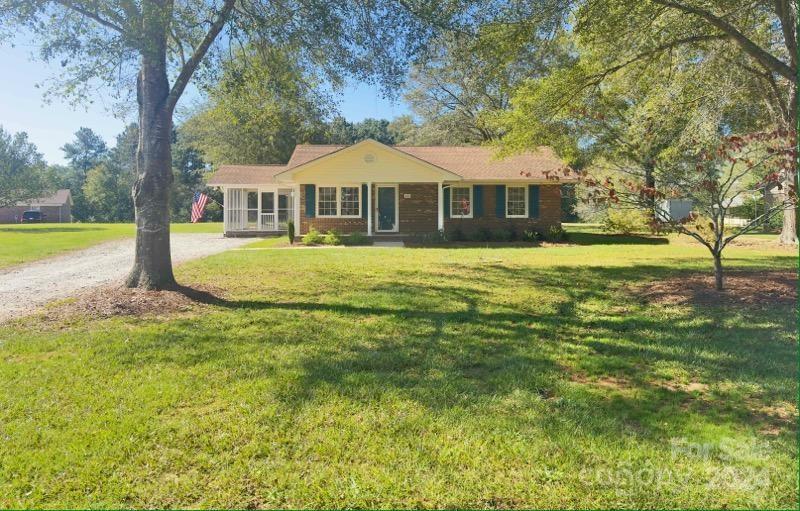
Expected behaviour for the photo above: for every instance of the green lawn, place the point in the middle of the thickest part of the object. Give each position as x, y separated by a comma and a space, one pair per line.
378, 377
29, 242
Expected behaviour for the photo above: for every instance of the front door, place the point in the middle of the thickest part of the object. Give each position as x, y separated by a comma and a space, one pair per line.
387, 208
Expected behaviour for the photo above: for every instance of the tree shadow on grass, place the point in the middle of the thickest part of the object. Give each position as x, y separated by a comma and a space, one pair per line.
449, 344
577, 238
586, 238
49, 230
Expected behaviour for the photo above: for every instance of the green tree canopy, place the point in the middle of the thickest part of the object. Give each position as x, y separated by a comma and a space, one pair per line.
23, 173
743, 53
341, 131
107, 189
465, 78
86, 151
189, 169
265, 103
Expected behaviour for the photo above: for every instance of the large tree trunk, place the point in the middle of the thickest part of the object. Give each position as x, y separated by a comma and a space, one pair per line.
152, 267
789, 230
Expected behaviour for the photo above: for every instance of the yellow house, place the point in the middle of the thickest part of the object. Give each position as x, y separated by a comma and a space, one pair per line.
378, 190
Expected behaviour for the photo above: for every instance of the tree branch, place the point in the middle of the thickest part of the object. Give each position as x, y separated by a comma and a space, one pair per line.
597, 78
786, 16
754, 223
765, 58
188, 69
94, 16
683, 230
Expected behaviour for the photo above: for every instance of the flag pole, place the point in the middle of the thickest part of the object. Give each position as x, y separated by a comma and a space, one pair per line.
213, 200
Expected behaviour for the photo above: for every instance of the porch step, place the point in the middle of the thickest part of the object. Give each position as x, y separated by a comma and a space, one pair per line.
389, 244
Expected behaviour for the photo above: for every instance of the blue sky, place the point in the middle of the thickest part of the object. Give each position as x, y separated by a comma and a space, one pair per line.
50, 126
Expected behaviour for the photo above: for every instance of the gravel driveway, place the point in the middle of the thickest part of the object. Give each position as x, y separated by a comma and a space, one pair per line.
25, 288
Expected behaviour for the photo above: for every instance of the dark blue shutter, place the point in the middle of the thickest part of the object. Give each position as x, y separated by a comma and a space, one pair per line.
364, 192
477, 198
500, 200
533, 201
446, 202
311, 201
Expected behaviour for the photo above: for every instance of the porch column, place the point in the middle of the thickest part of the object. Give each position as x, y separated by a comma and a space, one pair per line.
258, 213
296, 208
369, 208
440, 212
225, 204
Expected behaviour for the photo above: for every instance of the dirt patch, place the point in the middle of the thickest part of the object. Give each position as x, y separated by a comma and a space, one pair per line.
765, 243
784, 412
115, 300
693, 387
741, 287
605, 382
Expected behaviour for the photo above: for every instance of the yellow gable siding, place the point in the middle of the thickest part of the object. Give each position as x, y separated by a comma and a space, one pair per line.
353, 165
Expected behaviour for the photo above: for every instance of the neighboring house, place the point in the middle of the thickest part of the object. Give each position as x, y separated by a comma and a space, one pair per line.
377, 189
674, 209
56, 208
678, 209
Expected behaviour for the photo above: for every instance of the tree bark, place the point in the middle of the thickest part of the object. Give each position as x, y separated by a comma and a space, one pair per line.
650, 183
756, 52
152, 267
718, 277
789, 229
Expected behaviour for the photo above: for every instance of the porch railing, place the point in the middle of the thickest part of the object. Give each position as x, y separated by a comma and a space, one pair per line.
276, 221
268, 222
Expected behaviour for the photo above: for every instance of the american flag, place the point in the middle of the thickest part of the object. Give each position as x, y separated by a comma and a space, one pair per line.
198, 206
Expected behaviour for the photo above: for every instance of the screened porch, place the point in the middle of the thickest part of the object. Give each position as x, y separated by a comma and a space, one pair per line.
255, 210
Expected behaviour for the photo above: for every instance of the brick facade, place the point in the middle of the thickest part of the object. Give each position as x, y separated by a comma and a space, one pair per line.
549, 214
341, 225
418, 213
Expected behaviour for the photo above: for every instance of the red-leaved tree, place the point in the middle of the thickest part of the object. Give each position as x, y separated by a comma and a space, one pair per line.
713, 180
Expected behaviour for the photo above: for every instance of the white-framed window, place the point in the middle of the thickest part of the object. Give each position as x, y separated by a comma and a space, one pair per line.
350, 205
326, 201
461, 201
517, 201
339, 201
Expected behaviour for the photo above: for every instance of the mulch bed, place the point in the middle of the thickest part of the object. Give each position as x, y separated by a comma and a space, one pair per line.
116, 300
486, 244
765, 287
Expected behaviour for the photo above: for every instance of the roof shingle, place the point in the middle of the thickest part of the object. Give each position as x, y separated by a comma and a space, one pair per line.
245, 175
476, 163
59, 198
471, 163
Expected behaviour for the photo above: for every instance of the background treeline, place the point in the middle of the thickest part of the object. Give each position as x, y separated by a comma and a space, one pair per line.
633, 95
